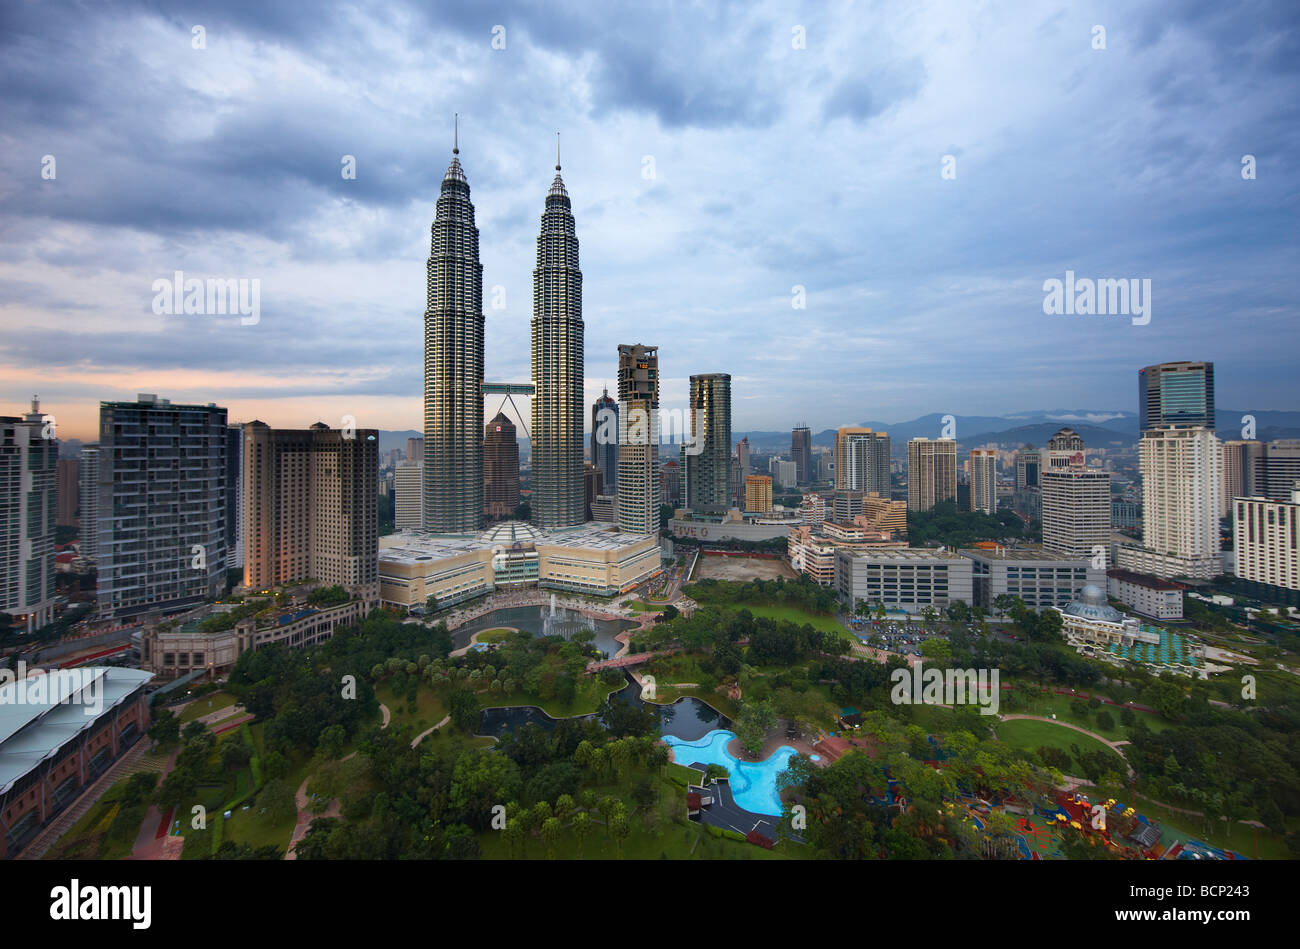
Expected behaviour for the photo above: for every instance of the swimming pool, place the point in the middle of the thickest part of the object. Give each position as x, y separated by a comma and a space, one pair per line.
753, 783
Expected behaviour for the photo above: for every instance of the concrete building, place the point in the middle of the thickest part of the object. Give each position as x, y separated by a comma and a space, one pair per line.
235, 495
408, 496
593, 486
906, 579
931, 473
1281, 463
758, 494
708, 465
310, 508
1181, 480
783, 473
595, 558
1039, 578
812, 548
732, 526
28, 511
1076, 512
983, 481
1267, 544
88, 503
1176, 394
557, 359
670, 484
501, 469
161, 544
453, 362
170, 651
801, 455
638, 439
66, 491
1150, 596
59, 732
862, 460
414, 451
604, 439
1244, 472
604, 508
1028, 464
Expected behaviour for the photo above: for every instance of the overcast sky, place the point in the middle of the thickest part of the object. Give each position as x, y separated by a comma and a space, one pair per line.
714, 166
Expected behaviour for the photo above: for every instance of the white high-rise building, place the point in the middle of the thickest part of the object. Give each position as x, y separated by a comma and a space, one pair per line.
88, 490
1267, 542
1076, 513
983, 480
28, 509
1181, 480
407, 509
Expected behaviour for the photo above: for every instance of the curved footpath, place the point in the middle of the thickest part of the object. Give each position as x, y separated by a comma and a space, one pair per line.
1114, 746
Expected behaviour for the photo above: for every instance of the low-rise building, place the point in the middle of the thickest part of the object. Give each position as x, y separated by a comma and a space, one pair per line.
1145, 594
903, 578
594, 558
1100, 631
1039, 578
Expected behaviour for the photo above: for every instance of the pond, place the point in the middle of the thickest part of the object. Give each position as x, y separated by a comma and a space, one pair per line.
687, 719
539, 621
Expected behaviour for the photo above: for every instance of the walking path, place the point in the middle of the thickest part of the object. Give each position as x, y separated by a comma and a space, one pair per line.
1114, 746
425, 734
305, 817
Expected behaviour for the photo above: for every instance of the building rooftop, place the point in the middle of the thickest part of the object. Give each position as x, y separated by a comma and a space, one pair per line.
37, 719
915, 554
1019, 554
411, 546
1092, 605
1141, 579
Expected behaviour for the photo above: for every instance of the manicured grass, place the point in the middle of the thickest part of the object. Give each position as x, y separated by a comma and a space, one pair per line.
794, 614
205, 705
589, 695
643, 607
429, 710
1029, 735
494, 635
1047, 703
1238, 837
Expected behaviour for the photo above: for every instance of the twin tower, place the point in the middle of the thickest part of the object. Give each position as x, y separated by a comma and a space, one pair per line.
453, 365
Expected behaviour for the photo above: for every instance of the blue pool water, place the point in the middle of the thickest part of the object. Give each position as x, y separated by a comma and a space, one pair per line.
753, 784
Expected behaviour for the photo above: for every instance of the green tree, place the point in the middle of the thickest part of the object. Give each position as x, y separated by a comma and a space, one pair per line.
581, 828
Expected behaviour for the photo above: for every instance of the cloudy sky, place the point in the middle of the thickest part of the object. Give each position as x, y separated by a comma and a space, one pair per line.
718, 156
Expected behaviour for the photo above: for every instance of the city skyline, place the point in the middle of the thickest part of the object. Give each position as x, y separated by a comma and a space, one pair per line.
944, 275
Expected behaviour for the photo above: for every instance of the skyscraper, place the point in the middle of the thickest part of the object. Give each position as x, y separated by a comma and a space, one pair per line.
1281, 469
931, 472
501, 468
453, 363
1076, 512
558, 497
28, 510
415, 450
408, 487
604, 439
235, 495
862, 460
1177, 394
708, 465
88, 491
310, 506
67, 491
801, 454
162, 506
1181, 481
758, 494
983, 481
1243, 472
638, 439
742, 455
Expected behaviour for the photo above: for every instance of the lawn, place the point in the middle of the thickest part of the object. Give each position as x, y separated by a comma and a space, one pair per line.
641, 606
794, 614
1048, 703
429, 709
589, 695
1029, 735
494, 635
1239, 837
205, 705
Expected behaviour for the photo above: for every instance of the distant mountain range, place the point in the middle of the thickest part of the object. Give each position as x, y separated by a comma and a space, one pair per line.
1098, 429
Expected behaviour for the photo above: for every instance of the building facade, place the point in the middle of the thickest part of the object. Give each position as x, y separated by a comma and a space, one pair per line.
931, 472
604, 439
984, 480
862, 460
1076, 512
1176, 394
1267, 543
801, 455
88, 504
708, 460
1040, 578
906, 579
29, 507
310, 506
501, 469
408, 496
558, 498
638, 439
758, 494
1150, 596
161, 544
1181, 480
453, 362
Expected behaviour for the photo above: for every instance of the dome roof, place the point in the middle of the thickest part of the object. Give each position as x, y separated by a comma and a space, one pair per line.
1091, 605
510, 533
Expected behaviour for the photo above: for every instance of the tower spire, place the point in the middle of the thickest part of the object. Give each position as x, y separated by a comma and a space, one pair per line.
557, 151
455, 135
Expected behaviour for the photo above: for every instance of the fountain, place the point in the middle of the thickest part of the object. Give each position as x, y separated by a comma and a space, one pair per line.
562, 622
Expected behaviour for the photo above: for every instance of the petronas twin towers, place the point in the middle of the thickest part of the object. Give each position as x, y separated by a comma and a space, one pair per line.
453, 365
